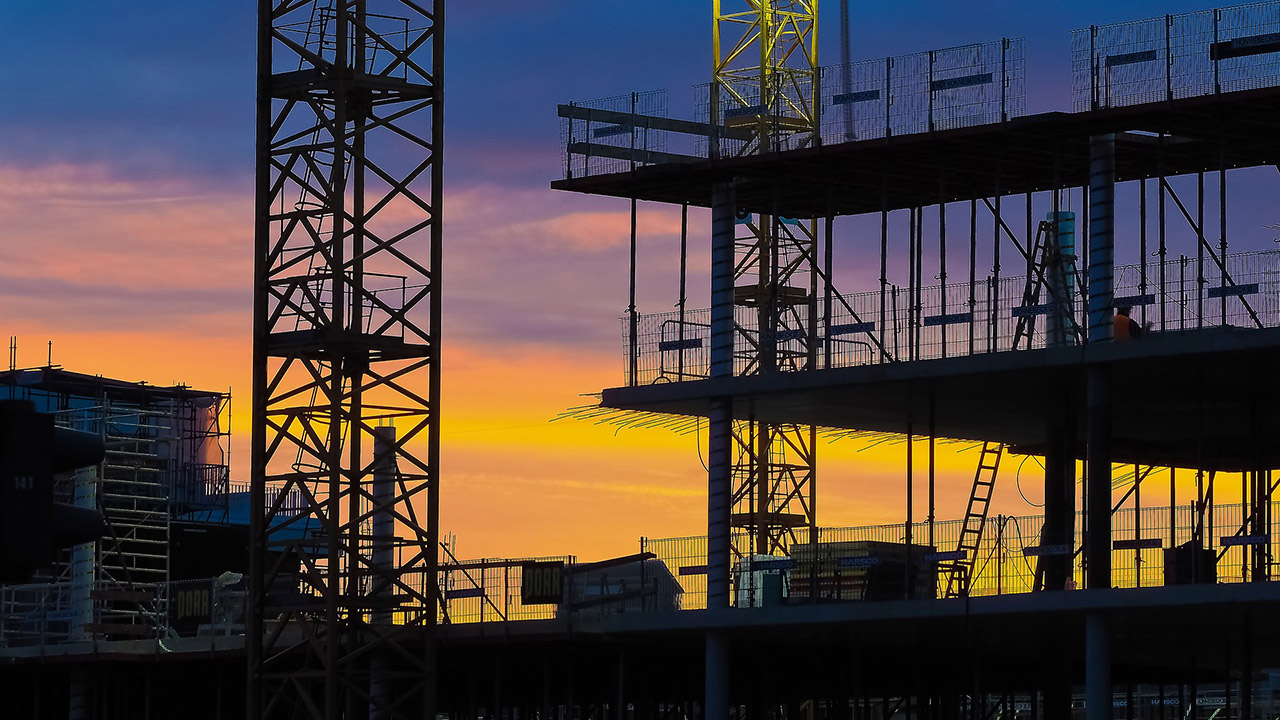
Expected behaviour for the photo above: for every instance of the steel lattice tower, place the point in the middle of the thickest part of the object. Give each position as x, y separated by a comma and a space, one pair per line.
346, 362
765, 80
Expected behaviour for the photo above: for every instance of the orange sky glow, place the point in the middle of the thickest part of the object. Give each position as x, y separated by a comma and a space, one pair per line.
151, 280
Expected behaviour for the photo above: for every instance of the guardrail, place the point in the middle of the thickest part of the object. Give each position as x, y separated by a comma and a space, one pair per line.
958, 319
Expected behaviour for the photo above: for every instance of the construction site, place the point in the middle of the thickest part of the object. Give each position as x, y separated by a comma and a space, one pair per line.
900, 254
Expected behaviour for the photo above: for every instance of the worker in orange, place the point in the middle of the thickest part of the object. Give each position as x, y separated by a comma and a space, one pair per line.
1125, 327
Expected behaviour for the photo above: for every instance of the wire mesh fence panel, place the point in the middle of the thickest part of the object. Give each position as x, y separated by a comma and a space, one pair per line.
961, 320
1245, 48
494, 589
686, 559
1176, 56
962, 86
856, 99
942, 89
616, 137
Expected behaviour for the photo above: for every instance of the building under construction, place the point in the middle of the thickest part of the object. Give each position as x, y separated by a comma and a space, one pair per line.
1086, 287
898, 251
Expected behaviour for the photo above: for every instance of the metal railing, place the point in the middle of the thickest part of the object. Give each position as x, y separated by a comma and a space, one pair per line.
865, 563
982, 319
975, 84
1176, 56
1004, 564
65, 612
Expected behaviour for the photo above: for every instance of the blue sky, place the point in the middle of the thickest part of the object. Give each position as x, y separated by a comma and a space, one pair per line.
153, 88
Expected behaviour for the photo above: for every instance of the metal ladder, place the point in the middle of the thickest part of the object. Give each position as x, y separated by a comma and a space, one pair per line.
958, 570
1046, 257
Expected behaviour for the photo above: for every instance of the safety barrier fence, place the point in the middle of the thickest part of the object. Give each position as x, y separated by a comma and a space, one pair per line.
66, 611
1151, 547
1176, 56
960, 319
975, 84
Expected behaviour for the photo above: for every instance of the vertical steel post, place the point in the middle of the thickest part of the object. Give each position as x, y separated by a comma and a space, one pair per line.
911, 285
1222, 233
973, 263
919, 270
684, 274
1201, 281
633, 323
1004, 79
828, 253
1097, 667
995, 272
1160, 237
1217, 80
888, 97
910, 523
942, 262
846, 70
1031, 242
932, 467
1142, 247
930, 86
884, 261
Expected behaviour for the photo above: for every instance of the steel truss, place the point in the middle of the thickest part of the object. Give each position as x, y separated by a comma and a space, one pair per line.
764, 82
766, 71
346, 367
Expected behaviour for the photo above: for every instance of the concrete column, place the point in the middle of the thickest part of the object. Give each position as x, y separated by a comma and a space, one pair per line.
1102, 182
720, 414
1097, 668
1098, 479
719, 447
1102, 200
1059, 490
723, 208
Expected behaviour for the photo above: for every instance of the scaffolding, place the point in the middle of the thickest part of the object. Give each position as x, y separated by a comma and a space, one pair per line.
167, 460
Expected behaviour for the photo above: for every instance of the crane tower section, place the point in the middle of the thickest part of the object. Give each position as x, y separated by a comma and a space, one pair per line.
763, 93
346, 358
766, 72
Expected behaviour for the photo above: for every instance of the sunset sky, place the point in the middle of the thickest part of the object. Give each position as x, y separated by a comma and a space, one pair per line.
126, 160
